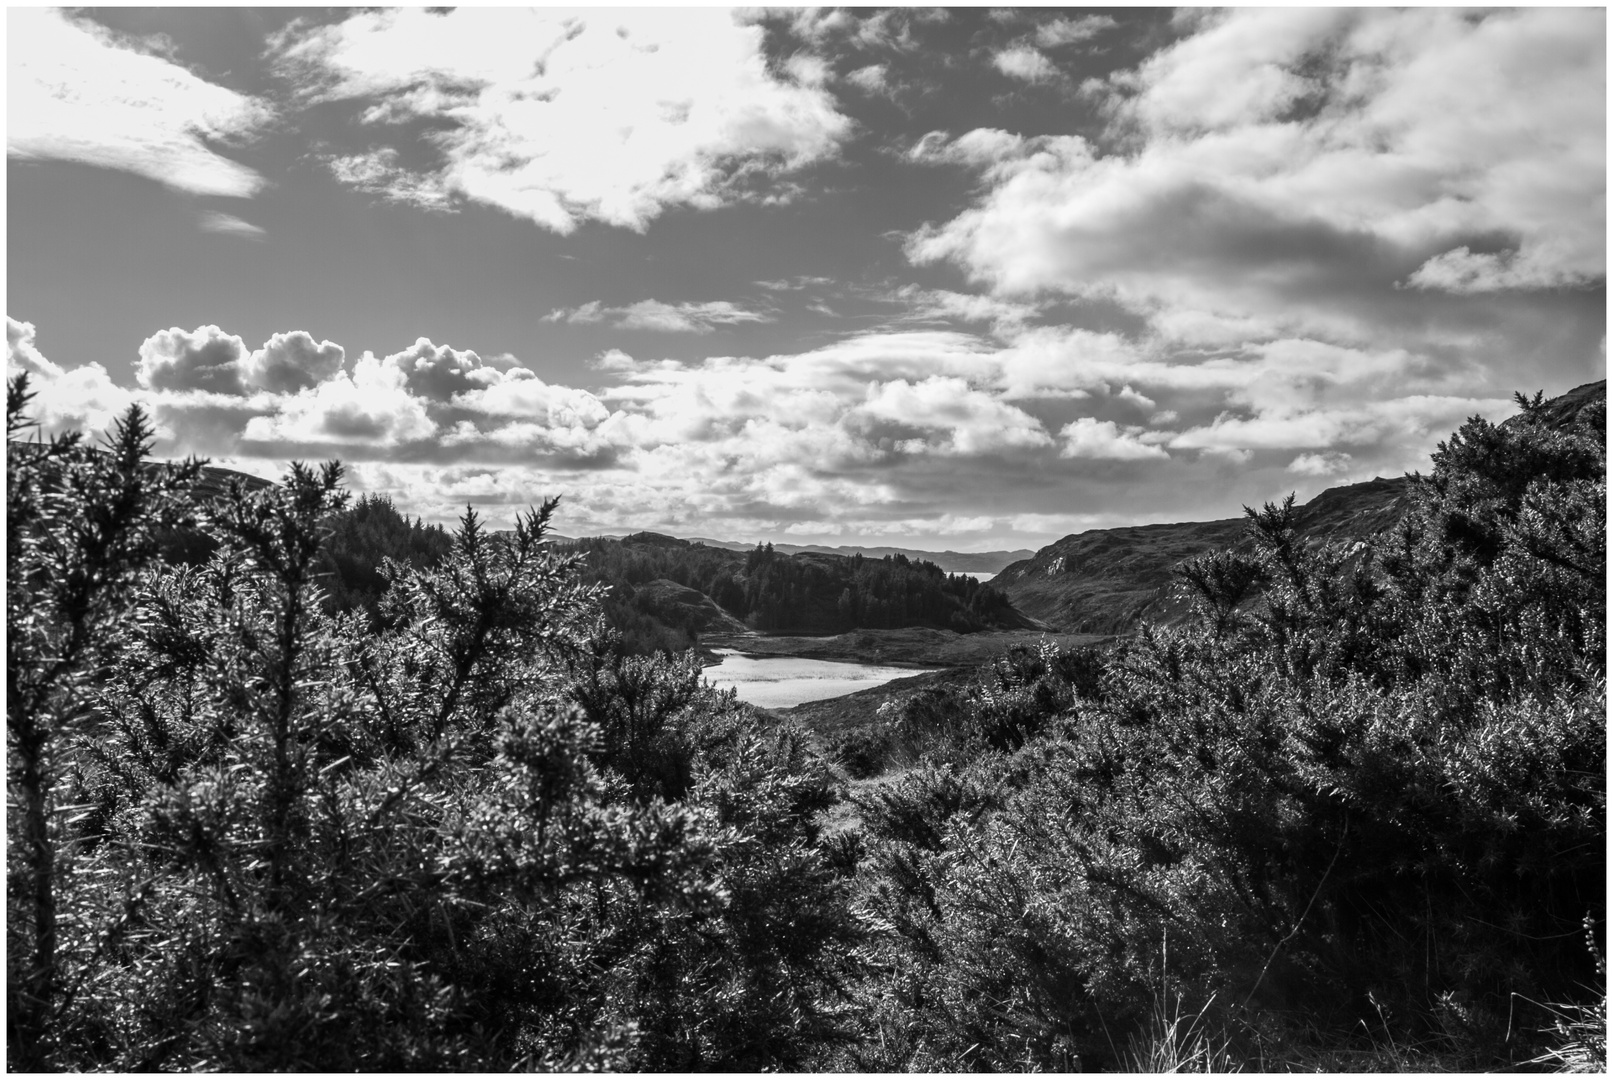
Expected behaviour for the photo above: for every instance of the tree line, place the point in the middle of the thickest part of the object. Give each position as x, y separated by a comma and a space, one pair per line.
805, 592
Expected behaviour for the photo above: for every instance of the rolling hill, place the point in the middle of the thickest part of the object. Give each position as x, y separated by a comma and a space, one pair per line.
1108, 581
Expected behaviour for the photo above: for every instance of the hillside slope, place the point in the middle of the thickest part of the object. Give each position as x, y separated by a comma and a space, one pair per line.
1108, 581
764, 589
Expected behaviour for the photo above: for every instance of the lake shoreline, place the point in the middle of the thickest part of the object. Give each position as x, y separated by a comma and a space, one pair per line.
784, 682
909, 647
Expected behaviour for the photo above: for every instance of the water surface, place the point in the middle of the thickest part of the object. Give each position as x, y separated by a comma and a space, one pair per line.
777, 682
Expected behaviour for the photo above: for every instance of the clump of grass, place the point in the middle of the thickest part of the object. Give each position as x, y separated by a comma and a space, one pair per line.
1580, 1030
1174, 1042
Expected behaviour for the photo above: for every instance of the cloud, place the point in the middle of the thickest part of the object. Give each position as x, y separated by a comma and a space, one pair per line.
953, 417
809, 69
869, 435
379, 172
1127, 394
982, 148
204, 359
1282, 170
1087, 437
1464, 271
82, 399
23, 356
1024, 62
800, 281
438, 372
77, 92
293, 361
560, 118
871, 78
930, 304
685, 318
1061, 31
1415, 418
229, 225
529, 397
371, 407
1328, 464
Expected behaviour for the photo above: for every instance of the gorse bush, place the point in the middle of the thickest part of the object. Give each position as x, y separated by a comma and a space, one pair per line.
1354, 817
246, 834
1366, 794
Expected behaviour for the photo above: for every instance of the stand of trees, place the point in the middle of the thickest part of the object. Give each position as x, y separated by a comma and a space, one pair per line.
803, 593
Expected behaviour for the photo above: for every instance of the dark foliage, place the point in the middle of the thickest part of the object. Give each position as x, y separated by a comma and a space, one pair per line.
249, 835
1362, 801
361, 538
769, 591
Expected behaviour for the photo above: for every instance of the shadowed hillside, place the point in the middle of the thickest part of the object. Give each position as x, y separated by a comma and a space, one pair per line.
763, 589
1108, 581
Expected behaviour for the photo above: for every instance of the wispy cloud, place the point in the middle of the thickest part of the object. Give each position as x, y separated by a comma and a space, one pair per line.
378, 172
1061, 31
76, 92
685, 318
230, 225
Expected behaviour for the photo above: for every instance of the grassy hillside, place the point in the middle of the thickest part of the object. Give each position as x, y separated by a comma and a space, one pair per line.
1109, 581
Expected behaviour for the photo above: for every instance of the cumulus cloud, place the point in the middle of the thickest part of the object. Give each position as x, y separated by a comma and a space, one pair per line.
204, 359
1025, 63
1290, 166
1088, 437
293, 361
871, 78
684, 318
1464, 271
610, 116
371, 407
77, 92
868, 434
952, 417
1328, 464
23, 356
522, 394
438, 372
82, 399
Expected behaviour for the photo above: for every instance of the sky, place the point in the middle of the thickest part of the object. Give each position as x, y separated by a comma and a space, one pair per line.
951, 279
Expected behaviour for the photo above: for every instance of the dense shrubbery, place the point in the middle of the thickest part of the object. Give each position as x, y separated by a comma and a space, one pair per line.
804, 593
247, 835
1363, 802
359, 540
1355, 817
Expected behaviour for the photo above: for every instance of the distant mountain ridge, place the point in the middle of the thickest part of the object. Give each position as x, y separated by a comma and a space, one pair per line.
1109, 581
